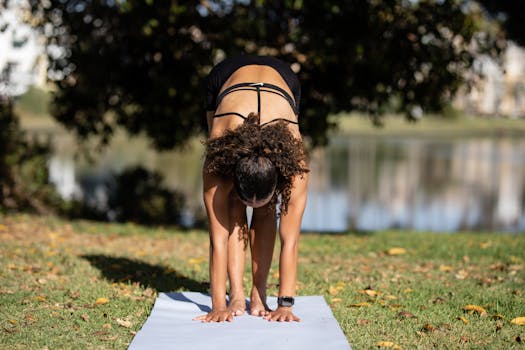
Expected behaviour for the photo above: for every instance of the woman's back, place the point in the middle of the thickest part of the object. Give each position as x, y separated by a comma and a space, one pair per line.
271, 104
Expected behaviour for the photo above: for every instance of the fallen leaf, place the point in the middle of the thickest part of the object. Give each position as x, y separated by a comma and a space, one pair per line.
101, 301
463, 319
461, 275
29, 318
363, 304
333, 290
363, 322
465, 339
520, 321
388, 344
485, 245
445, 268
498, 317
396, 251
405, 314
427, 327
370, 292
100, 333
84, 317
106, 326
124, 323
336, 300
40, 298
475, 309
408, 290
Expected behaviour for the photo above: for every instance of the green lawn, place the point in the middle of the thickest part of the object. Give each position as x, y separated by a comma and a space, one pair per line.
84, 285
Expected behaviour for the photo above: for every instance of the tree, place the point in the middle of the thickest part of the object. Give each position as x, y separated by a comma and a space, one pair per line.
512, 16
141, 65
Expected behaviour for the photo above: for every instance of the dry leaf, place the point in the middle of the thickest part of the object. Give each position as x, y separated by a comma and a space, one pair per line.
363, 322
336, 300
475, 309
40, 298
84, 317
520, 321
396, 251
461, 275
124, 323
29, 318
445, 268
485, 245
363, 304
405, 314
427, 327
462, 319
333, 290
101, 301
370, 292
388, 344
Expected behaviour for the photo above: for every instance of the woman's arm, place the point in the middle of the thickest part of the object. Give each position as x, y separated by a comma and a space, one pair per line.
289, 229
216, 192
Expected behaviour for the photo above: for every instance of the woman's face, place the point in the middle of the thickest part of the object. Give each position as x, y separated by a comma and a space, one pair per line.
257, 203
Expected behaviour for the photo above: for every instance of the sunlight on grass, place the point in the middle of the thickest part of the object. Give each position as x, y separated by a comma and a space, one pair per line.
93, 284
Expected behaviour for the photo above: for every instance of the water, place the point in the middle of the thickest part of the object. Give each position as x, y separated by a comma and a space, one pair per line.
363, 183
421, 184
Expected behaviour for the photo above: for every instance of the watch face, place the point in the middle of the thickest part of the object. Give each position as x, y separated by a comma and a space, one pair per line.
285, 301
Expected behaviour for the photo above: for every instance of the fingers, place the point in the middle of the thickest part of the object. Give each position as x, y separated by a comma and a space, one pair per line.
215, 317
278, 316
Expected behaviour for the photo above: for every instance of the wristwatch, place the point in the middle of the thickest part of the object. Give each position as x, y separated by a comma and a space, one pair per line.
285, 301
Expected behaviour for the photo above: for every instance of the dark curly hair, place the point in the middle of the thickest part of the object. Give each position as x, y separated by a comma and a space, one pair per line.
260, 160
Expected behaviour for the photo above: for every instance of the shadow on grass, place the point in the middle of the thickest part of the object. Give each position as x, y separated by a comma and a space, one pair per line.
161, 278
355, 232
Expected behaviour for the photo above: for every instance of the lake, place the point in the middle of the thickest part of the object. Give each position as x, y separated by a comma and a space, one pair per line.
370, 183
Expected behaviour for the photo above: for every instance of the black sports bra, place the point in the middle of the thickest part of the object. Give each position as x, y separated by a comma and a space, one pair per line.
258, 87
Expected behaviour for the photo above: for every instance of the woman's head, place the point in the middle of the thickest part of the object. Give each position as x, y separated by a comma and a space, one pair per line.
255, 180
261, 161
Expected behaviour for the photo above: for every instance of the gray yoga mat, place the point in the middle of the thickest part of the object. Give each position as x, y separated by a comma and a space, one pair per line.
170, 326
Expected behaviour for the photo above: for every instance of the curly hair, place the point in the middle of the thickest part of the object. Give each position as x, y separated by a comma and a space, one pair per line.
250, 140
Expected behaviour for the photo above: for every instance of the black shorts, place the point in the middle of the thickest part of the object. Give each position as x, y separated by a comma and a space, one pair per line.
222, 71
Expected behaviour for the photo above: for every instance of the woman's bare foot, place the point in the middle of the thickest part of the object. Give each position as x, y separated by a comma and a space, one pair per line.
237, 306
258, 306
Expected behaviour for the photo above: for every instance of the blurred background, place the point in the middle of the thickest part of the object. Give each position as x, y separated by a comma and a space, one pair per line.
413, 111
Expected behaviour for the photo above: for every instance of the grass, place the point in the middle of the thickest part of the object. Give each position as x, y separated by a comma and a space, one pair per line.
87, 285
461, 125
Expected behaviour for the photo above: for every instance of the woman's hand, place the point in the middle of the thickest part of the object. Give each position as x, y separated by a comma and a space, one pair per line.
216, 316
282, 314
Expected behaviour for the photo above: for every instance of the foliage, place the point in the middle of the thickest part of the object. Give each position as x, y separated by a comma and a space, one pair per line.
93, 284
142, 65
139, 196
24, 181
511, 14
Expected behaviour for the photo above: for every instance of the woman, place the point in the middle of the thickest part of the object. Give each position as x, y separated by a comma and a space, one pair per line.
254, 156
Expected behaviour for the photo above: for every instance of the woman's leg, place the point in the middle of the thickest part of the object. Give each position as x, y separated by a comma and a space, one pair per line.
263, 230
237, 244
